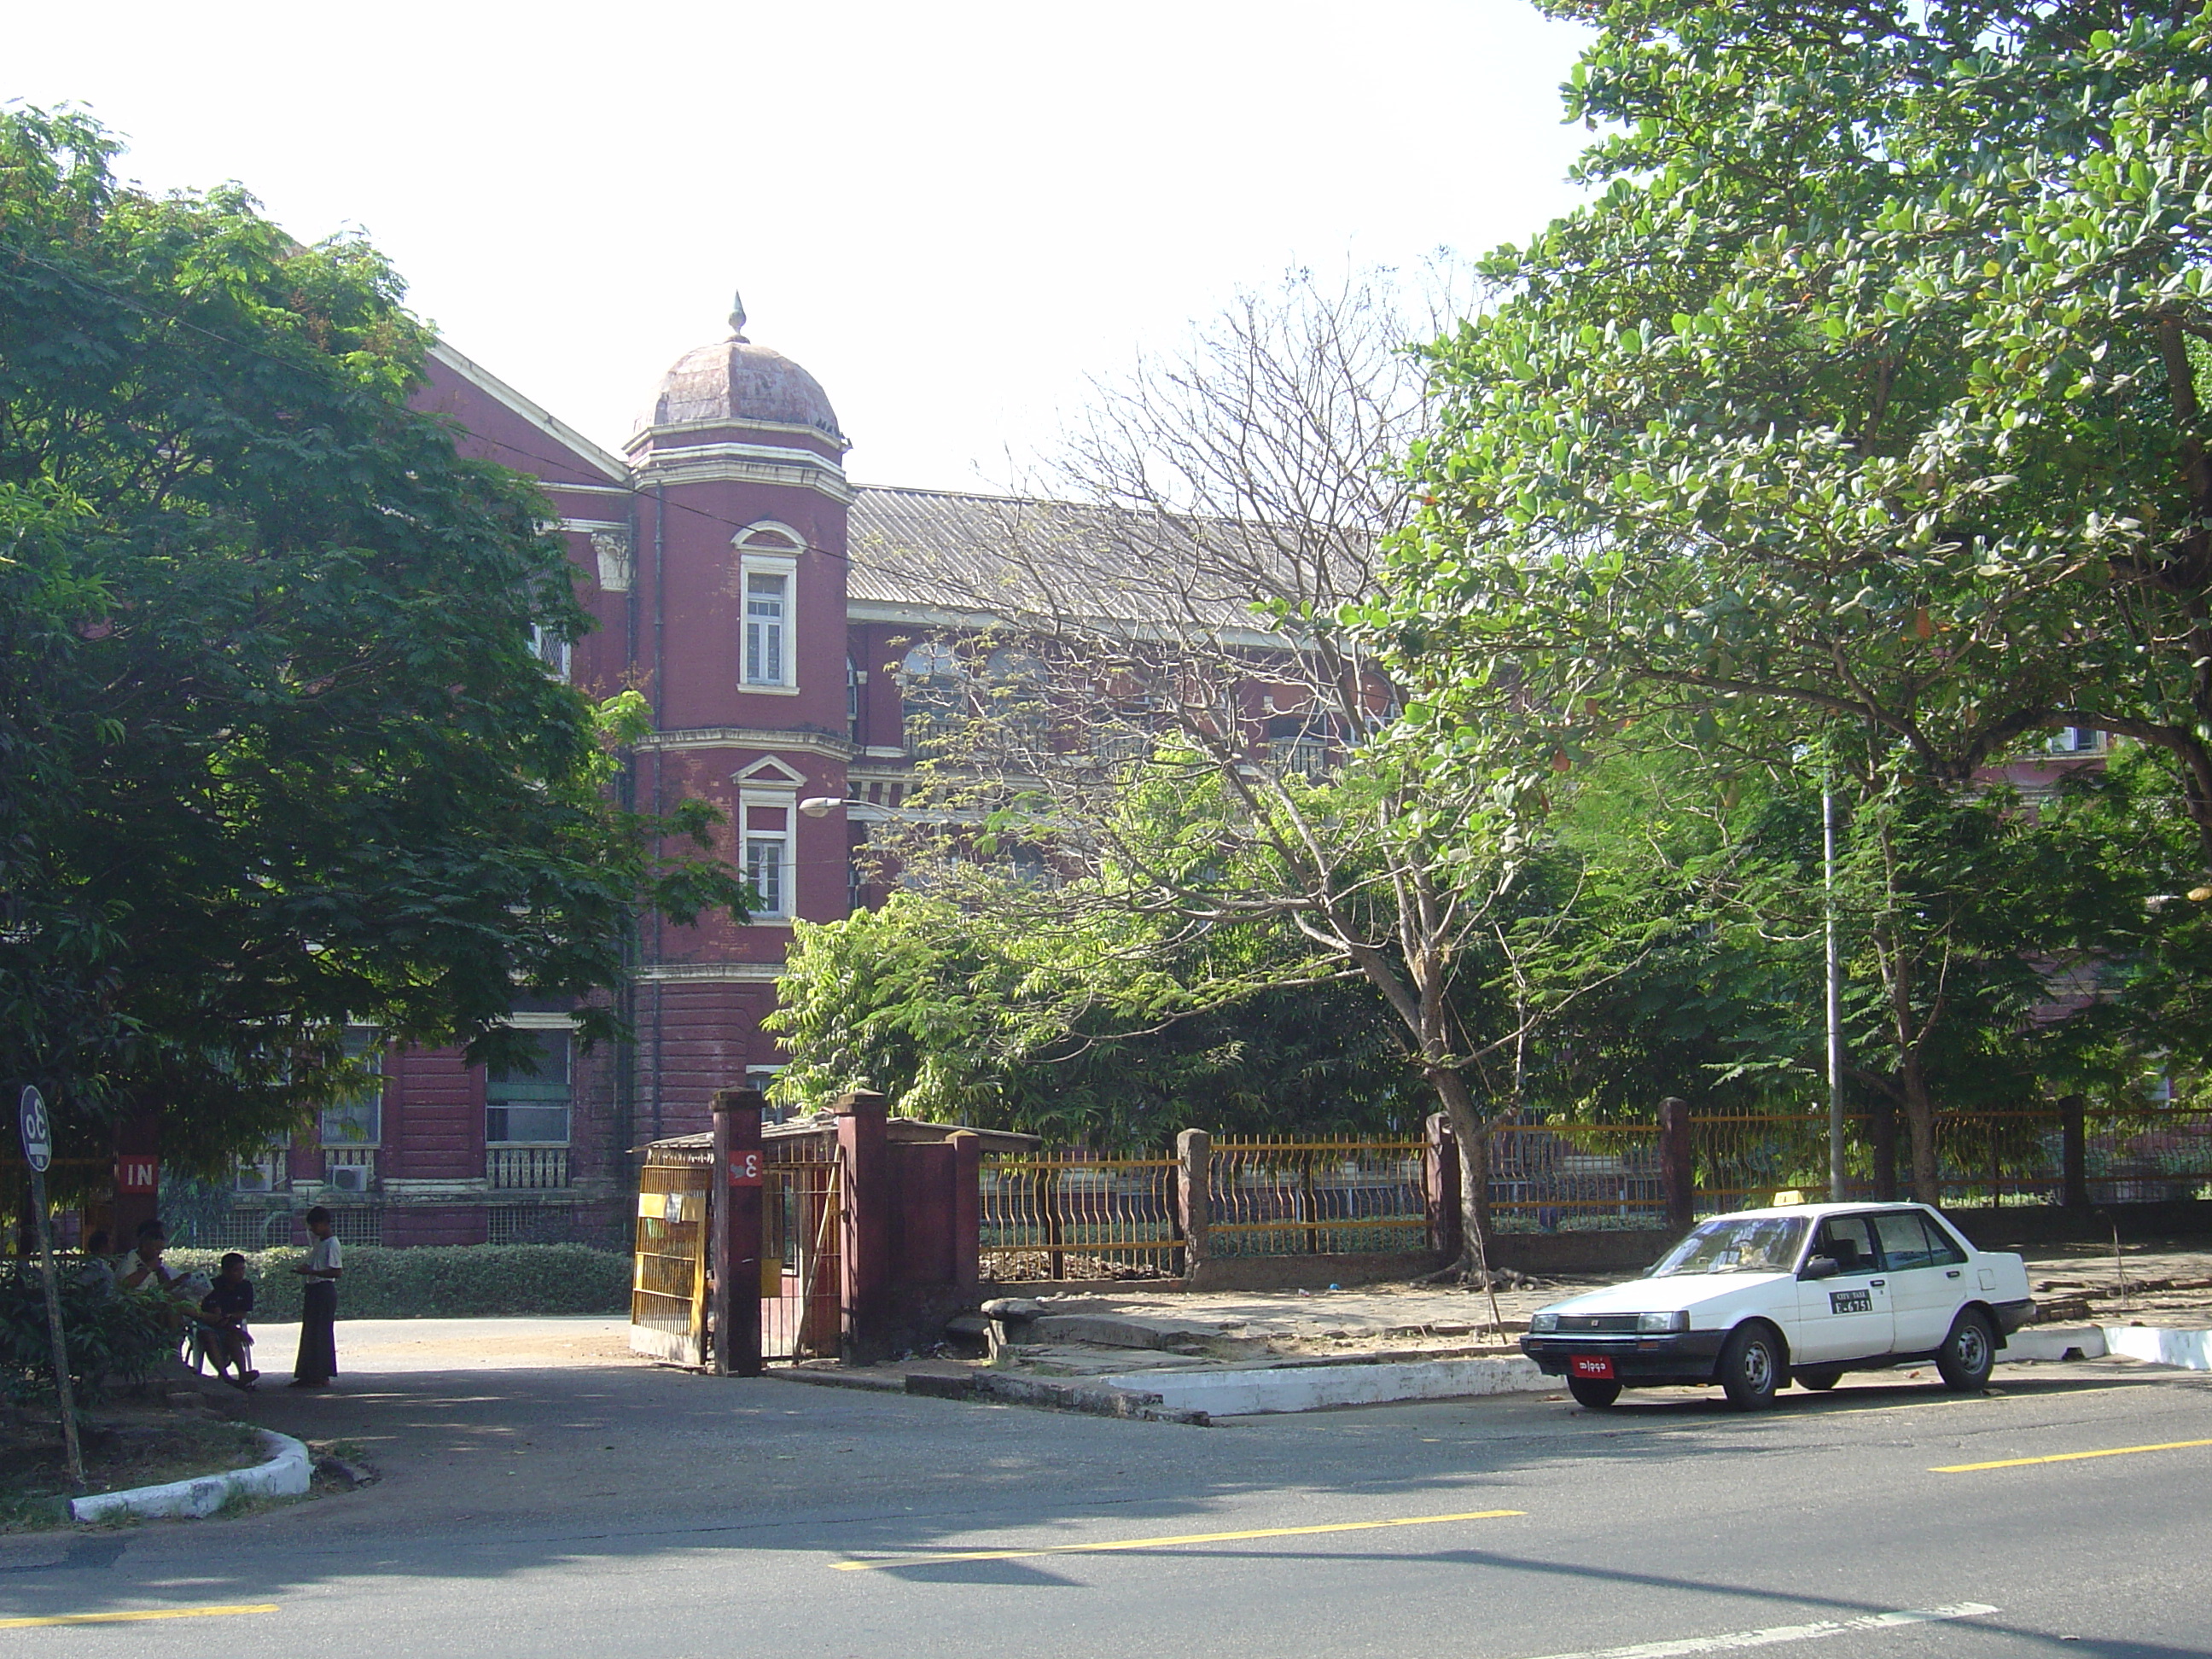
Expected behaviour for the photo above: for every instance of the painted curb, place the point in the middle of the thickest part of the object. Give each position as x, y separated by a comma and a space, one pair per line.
1310, 1387
2053, 1342
2190, 1350
285, 1475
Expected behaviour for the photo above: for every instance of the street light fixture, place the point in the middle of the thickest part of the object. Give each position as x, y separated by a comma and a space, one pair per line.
821, 806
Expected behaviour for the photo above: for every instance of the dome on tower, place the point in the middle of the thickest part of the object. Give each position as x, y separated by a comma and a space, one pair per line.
737, 382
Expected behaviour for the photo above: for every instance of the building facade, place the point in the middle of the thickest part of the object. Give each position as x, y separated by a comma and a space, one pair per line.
764, 606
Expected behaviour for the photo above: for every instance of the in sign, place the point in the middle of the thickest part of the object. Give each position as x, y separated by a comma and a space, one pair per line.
137, 1175
38, 1131
745, 1168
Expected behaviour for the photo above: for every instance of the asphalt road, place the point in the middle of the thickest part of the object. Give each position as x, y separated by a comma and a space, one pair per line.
613, 1510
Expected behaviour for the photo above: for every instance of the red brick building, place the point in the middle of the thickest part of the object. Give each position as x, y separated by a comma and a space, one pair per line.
764, 605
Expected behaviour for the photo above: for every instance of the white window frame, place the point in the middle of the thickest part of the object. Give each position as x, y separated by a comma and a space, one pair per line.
770, 549
775, 894
553, 651
371, 1042
564, 1024
773, 784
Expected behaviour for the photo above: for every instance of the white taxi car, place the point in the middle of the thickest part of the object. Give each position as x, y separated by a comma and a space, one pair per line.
1754, 1300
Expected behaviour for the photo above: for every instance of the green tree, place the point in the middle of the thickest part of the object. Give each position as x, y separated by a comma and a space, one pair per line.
1866, 389
959, 1019
276, 749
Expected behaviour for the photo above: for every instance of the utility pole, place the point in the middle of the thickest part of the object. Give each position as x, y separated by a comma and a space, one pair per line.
1835, 1172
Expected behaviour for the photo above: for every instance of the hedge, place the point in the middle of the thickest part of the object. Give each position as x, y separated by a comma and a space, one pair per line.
429, 1281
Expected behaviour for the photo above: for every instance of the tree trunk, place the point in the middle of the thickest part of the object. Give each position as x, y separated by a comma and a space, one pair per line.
1469, 1129
1920, 1121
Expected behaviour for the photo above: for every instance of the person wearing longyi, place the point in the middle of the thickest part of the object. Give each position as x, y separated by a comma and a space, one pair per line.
318, 1304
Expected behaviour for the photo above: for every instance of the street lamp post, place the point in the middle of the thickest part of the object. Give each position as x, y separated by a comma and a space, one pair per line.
1835, 996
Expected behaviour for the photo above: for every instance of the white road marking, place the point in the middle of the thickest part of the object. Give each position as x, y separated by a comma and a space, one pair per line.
1772, 1634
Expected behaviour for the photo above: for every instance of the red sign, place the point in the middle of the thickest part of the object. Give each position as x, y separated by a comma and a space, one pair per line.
1591, 1365
137, 1175
745, 1168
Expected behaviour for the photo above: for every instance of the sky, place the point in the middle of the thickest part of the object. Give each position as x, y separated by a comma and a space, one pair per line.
954, 215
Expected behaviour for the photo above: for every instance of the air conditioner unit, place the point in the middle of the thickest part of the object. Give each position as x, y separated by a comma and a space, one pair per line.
346, 1177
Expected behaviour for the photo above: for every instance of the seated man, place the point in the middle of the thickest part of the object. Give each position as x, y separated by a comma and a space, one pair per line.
224, 1310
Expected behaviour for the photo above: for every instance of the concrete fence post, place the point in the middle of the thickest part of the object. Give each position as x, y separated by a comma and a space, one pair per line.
734, 1213
1194, 1199
1441, 1187
869, 1202
1678, 1164
2073, 1153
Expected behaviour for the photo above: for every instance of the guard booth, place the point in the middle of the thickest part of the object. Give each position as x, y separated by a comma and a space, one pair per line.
852, 1233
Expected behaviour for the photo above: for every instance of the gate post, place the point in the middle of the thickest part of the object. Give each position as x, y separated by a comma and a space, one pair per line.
868, 1202
1678, 1164
1194, 1199
2073, 1154
1447, 1223
735, 1209
967, 1208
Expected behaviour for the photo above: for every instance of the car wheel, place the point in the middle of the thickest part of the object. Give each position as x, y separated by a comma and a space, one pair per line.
1819, 1378
1594, 1391
1968, 1353
1751, 1367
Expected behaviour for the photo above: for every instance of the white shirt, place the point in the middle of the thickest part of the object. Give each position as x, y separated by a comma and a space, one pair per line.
326, 1254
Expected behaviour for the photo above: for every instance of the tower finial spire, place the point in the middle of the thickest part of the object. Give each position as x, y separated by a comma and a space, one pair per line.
737, 316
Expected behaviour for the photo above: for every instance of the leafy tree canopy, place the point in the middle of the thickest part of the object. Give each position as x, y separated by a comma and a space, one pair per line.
276, 752
1866, 389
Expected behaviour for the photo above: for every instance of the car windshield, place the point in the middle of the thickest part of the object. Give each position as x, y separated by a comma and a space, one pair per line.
1736, 1244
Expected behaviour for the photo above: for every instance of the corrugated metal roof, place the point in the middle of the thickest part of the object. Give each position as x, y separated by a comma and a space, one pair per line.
938, 550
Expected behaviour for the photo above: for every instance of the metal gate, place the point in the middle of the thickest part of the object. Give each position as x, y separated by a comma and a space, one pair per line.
668, 1287
802, 1224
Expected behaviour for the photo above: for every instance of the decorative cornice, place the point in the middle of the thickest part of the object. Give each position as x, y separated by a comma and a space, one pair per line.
732, 423
710, 973
771, 463
750, 737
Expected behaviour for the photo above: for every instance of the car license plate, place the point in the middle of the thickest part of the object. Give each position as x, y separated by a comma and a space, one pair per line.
1591, 1365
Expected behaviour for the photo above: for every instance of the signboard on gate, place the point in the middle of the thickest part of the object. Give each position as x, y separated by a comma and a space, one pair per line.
137, 1175
38, 1131
745, 1168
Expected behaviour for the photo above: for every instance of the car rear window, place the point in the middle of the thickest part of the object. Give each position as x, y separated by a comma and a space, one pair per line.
1907, 1241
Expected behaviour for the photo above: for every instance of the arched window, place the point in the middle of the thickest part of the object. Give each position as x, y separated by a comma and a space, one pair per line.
932, 695
768, 581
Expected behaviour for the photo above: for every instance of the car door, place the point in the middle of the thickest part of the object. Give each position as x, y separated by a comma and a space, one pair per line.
1847, 1315
1927, 1278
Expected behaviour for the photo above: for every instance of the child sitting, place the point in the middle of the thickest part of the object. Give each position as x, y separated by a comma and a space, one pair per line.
224, 1310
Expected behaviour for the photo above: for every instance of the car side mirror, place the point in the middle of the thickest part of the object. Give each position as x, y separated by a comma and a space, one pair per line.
1820, 1266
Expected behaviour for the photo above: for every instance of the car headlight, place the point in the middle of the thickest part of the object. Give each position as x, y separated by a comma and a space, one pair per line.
1544, 1321
1652, 1322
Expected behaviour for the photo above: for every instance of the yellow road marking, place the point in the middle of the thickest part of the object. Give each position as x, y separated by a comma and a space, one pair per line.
133, 1618
1162, 1543
2067, 1458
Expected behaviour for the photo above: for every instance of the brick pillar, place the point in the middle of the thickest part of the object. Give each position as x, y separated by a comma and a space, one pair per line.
137, 1142
870, 1215
967, 1208
1447, 1223
1194, 1199
735, 1214
2073, 1154
1678, 1164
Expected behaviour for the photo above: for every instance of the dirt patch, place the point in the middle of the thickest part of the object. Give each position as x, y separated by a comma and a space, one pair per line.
34, 1488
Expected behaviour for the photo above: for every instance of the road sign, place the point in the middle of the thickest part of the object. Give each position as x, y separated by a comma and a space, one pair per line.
38, 1133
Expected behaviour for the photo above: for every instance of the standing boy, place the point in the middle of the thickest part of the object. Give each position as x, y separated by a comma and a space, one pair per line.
318, 1305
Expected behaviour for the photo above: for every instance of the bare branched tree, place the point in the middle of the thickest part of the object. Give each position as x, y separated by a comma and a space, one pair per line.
1169, 714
